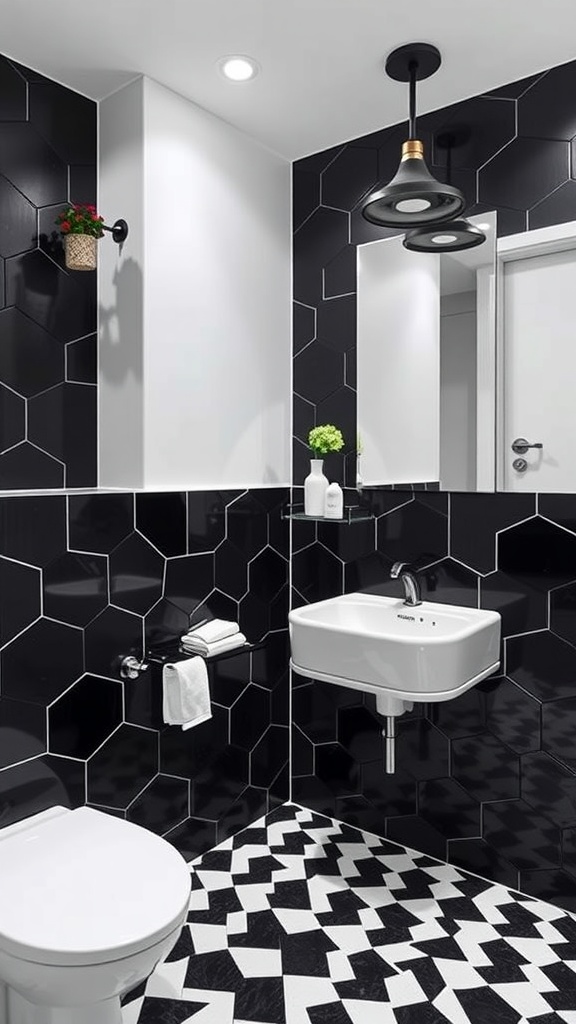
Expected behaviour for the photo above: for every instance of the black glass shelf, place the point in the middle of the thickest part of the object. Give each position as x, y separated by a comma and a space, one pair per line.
174, 652
352, 514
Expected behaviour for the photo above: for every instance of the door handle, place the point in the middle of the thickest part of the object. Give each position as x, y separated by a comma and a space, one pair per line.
520, 446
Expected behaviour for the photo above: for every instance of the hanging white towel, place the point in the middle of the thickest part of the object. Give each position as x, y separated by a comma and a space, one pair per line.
213, 631
192, 646
186, 693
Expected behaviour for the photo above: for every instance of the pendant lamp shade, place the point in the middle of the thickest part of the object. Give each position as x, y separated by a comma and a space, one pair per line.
414, 198
452, 236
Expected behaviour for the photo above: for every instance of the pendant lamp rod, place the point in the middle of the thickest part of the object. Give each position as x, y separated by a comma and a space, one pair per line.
413, 69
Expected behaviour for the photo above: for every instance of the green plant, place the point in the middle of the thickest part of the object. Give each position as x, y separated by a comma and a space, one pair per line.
326, 438
80, 219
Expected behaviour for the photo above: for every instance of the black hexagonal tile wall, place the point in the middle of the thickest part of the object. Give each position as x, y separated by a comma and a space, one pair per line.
136, 575
42, 662
85, 716
19, 598
76, 588
122, 766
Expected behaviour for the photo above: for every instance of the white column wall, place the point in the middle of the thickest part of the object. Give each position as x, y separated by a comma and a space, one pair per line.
215, 285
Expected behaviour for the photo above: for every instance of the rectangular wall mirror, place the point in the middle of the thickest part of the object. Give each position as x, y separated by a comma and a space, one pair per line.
426, 360
465, 363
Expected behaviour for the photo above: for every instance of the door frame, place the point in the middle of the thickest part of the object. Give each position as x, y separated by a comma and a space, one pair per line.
523, 246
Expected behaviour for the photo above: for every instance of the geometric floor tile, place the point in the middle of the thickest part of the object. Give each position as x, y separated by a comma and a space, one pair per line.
303, 920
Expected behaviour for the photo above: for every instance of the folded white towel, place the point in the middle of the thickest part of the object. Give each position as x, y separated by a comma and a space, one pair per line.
192, 646
213, 631
186, 693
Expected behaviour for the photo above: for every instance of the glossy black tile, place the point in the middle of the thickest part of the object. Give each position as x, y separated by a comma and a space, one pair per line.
485, 768
462, 716
56, 301
269, 756
546, 110
418, 834
39, 784
42, 662
449, 808
161, 518
521, 606
268, 573
521, 835
162, 806
19, 598
556, 208
340, 273
82, 360
304, 322
475, 519
193, 837
22, 731
33, 529
480, 126
475, 855
31, 165
19, 217
558, 730
512, 715
31, 360
392, 795
122, 766
319, 239
206, 520
13, 91
360, 733
249, 805
27, 467
302, 753
166, 623
85, 716
538, 552
12, 418
414, 531
352, 174
100, 522
542, 664
318, 371
231, 570
217, 787
337, 769
315, 712
53, 109
187, 754
422, 751
317, 573
549, 788
336, 323
249, 717
136, 575
76, 588
62, 421
556, 887
306, 195
109, 637
524, 172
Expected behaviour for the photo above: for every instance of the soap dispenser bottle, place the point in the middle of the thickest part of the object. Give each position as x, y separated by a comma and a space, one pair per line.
334, 502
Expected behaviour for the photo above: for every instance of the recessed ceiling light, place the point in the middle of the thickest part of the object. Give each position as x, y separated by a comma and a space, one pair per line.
237, 68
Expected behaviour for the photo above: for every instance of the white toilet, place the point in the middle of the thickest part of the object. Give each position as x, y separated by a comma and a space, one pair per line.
89, 904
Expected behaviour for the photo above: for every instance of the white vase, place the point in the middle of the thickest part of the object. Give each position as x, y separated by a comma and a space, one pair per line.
315, 486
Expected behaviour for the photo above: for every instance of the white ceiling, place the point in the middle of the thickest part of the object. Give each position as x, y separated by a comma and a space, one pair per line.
321, 82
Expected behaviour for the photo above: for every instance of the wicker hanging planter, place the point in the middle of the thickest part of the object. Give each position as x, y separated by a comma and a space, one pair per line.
81, 252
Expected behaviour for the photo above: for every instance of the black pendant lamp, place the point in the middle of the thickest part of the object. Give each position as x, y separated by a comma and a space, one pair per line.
413, 198
453, 235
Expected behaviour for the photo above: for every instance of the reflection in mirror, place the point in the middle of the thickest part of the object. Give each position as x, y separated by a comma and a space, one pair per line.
426, 356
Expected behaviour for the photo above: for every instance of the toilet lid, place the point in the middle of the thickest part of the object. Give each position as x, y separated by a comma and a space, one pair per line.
85, 888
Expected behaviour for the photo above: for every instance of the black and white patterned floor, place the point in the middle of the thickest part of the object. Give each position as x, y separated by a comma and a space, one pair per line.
303, 920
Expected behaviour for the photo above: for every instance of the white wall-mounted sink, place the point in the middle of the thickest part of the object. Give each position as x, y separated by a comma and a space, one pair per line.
430, 652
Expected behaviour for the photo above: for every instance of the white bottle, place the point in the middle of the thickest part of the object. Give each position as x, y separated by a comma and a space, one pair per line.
334, 502
315, 486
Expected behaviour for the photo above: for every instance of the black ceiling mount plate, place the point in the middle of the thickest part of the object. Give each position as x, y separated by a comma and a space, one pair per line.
424, 55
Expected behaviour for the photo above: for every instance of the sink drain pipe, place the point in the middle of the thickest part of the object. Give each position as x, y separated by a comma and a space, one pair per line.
389, 734
390, 708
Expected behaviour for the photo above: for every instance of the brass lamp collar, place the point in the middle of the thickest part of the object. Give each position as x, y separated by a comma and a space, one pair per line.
412, 149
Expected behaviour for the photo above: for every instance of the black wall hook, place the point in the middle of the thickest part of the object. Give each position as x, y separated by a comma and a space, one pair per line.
119, 231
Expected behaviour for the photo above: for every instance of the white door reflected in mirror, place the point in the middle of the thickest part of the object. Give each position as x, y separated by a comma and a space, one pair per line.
426, 363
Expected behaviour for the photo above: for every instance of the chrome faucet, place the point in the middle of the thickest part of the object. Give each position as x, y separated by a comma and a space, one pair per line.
412, 592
